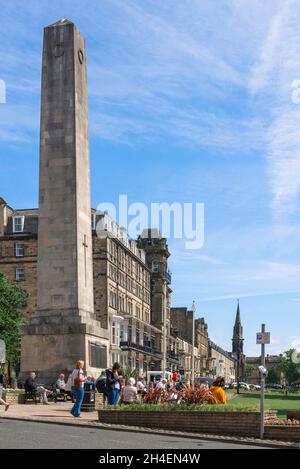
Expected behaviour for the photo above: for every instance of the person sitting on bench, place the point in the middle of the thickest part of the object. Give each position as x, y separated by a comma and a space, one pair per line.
32, 387
60, 383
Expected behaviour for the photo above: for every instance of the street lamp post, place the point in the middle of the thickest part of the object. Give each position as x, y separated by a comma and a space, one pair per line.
193, 309
238, 370
164, 337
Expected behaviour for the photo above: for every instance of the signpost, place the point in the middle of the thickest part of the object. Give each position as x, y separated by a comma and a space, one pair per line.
2, 351
262, 338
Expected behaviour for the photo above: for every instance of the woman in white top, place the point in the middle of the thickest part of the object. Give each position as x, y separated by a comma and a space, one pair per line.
129, 393
77, 381
140, 385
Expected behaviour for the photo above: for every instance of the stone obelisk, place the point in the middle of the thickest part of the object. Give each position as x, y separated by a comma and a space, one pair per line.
64, 324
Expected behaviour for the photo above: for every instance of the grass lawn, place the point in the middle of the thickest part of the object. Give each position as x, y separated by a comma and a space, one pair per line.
273, 400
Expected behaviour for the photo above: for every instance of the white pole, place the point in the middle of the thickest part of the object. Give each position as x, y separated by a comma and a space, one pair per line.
262, 388
164, 361
193, 345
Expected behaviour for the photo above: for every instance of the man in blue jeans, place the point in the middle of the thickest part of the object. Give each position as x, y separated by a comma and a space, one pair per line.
77, 381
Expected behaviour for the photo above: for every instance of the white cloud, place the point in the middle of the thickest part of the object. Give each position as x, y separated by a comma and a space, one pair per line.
278, 66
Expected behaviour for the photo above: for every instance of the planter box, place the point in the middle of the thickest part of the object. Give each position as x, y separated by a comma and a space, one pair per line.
99, 401
293, 414
218, 423
283, 432
14, 397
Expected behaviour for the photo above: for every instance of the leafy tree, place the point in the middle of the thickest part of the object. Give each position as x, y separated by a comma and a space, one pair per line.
12, 298
272, 376
249, 370
129, 372
290, 365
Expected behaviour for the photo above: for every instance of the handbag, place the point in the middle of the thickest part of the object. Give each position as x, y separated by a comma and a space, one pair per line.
77, 381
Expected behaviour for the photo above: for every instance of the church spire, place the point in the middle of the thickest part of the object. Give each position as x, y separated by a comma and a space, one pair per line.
238, 316
237, 339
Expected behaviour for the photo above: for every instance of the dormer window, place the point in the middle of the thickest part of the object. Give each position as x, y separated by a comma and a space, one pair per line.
18, 224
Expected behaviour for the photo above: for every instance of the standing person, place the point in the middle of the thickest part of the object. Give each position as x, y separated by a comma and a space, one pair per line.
101, 385
217, 390
2, 402
129, 393
113, 384
78, 380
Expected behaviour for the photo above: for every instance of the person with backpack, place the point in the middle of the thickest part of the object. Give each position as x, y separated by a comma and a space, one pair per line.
113, 384
77, 381
101, 383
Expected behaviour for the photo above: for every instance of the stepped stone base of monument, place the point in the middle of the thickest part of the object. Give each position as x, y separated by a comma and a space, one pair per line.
52, 344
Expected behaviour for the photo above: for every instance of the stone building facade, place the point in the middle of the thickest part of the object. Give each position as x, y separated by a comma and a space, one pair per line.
18, 250
131, 295
131, 289
252, 374
202, 343
122, 292
221, 363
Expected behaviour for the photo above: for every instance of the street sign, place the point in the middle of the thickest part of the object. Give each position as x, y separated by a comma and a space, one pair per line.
263, 338
2, 351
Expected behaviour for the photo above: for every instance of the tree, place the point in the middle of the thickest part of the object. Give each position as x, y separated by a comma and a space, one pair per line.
12, 298
129, 372
249, 370
290, 365
272, 376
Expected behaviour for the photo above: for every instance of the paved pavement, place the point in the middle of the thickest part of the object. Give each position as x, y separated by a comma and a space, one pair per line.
16, 434
59, 413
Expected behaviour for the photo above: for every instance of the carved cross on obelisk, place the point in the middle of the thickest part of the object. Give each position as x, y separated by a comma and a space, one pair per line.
85, 248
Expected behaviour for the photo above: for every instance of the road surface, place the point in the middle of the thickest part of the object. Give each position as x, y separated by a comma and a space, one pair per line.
22, 435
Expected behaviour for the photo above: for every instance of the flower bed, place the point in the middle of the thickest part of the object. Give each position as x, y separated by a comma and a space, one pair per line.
284, 422
165, 407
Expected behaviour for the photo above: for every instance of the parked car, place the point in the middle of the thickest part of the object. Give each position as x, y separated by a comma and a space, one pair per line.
273, 386
256, 387
204, 379
242, 385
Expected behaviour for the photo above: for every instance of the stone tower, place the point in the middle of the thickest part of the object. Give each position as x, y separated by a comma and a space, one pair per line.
157, 254
64, 325
238, 343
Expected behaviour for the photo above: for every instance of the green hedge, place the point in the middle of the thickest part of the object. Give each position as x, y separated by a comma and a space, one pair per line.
13, 391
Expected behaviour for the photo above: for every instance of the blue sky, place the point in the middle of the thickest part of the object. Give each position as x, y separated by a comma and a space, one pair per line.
189, 101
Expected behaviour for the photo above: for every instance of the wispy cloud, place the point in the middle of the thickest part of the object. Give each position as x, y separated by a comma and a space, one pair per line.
278, 66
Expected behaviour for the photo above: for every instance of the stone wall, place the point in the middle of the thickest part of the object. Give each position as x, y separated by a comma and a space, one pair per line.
219, 423
283, 432
99, 401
